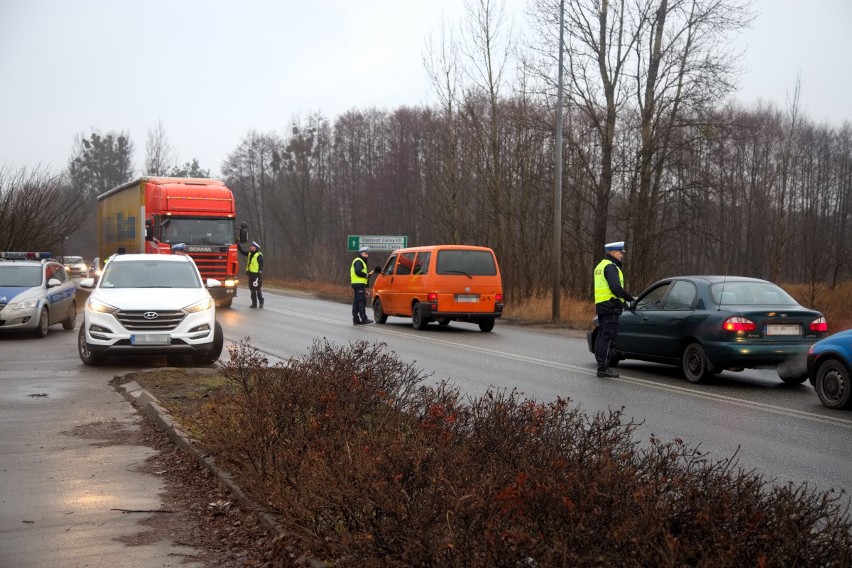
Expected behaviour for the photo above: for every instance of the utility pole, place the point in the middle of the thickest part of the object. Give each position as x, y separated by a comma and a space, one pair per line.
557, 189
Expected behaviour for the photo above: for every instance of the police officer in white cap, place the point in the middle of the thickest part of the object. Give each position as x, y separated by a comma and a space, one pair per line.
359, 276
610, 297
254, 272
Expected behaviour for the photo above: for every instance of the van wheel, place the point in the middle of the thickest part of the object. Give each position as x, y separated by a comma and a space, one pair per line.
417, 320
486, 324
71, 320
443, 321
378, 313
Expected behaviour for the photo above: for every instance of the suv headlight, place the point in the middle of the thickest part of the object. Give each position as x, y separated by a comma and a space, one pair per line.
27, 304
201, 306
98, 306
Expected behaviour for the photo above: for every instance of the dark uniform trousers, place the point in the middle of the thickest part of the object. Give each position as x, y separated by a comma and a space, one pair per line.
608, 326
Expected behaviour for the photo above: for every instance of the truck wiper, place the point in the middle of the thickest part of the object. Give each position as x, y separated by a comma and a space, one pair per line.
460, 272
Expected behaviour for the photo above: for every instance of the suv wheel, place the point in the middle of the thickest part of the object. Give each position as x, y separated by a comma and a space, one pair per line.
86, 355
211, 356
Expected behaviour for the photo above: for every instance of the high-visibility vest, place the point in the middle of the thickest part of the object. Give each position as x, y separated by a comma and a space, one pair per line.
602, 291
253, 265
354, 278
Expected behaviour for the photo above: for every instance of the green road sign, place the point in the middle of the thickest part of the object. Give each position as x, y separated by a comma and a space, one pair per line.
376, 242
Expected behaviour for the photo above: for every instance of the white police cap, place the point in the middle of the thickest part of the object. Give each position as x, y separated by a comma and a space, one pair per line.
617, 245
364, 249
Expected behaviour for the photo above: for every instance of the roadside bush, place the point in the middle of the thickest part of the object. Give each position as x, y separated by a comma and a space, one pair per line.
366, 466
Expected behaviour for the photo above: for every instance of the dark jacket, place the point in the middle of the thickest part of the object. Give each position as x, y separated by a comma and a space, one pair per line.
613, 305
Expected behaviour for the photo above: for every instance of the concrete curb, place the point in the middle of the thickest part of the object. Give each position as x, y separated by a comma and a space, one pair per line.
146, 403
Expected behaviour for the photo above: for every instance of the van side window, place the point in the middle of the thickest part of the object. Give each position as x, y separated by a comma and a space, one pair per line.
405, 264
421, 265
388, 269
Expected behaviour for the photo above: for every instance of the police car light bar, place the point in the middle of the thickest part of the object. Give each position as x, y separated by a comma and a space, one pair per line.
24, 255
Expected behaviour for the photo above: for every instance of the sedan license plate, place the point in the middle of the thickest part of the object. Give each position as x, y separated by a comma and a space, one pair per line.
468, 298
150, 339
789, 329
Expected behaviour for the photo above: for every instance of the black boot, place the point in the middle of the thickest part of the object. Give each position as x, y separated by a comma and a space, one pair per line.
261, 303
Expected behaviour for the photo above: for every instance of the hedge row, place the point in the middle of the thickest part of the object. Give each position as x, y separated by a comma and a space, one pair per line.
366, 466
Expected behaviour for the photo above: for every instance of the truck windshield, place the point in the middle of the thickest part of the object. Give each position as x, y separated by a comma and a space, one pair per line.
198, 230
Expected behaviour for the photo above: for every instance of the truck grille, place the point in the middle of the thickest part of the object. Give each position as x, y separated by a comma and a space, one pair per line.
211, 264
137, 320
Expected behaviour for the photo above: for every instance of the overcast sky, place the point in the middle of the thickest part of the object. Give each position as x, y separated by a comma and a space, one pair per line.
212, 70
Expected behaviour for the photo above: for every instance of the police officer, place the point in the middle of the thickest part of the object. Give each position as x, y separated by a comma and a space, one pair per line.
360, 278
610, 297
254, 272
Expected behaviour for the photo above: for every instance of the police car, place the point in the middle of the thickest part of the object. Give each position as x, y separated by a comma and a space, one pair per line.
149, 304
35, 293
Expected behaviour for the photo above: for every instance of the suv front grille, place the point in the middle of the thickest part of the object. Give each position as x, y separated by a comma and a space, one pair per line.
166, 320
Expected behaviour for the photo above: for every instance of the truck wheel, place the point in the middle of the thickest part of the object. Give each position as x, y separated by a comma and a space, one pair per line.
226, 303
486, 324
86, 355
71, 320
378, 312
211, 356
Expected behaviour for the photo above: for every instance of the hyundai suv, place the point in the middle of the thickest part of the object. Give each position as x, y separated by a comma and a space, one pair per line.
146, 304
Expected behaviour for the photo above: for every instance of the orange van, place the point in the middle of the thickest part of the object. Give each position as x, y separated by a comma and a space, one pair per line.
440, 283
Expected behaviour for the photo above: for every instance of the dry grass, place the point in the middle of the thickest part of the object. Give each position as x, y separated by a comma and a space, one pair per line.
835, 303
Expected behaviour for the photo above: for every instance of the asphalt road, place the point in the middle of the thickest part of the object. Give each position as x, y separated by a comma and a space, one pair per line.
68, 465
781, 431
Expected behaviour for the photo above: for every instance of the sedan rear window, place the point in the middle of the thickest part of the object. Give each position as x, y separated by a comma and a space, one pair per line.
469, 262
26, 276
750, 294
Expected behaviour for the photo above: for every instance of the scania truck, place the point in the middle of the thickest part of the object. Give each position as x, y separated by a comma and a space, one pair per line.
151, 214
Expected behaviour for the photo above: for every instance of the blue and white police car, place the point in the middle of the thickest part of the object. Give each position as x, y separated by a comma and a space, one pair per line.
35, 293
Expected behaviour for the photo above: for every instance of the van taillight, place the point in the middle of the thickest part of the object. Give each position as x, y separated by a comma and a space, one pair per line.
432, 297
819, 324
739, 324
498, 298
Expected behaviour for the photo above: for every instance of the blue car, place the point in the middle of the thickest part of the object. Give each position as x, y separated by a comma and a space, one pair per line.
829, 362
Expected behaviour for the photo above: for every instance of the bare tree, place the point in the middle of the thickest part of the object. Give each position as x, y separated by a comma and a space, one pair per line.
37, 211
160, 157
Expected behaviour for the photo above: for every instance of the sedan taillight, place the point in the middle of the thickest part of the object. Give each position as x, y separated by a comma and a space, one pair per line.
738, 323
819, 324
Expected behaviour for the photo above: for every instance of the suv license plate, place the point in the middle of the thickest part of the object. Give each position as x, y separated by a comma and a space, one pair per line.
150, 339
469, 298
775, 329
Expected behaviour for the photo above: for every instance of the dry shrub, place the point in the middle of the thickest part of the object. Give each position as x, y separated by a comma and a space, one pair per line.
367, 467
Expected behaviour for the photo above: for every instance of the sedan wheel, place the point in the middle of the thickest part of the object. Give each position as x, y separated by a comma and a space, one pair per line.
832, 385
43, 323
71, 320
378, 312
694, 363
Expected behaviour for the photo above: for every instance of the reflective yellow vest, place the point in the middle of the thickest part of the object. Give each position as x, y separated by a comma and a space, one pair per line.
602, 291
354, 278
253, 265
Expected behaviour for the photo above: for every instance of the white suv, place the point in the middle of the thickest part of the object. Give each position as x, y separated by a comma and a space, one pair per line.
149, 303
